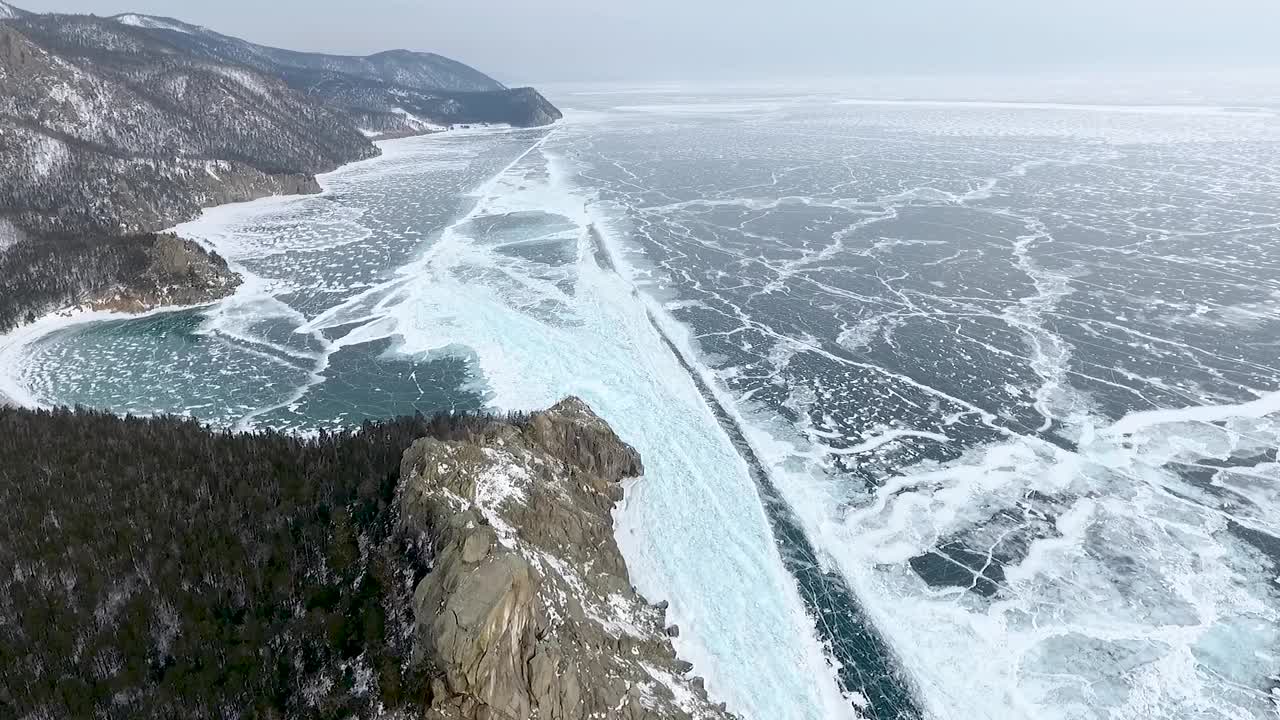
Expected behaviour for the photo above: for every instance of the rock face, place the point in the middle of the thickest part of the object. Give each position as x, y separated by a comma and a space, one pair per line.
528, 611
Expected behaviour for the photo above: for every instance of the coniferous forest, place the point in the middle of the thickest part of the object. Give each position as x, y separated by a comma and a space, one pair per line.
153, 568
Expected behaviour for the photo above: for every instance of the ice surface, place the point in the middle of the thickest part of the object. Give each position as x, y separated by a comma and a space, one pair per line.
243, 362
1013, 367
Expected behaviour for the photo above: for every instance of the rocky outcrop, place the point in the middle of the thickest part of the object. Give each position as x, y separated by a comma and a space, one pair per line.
527, 611
527, 106
175, 272
132, 273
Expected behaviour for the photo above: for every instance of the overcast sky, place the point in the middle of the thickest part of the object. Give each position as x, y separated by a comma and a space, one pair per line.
538, 41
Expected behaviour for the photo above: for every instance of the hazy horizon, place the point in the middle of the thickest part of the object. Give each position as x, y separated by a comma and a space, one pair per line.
716, 40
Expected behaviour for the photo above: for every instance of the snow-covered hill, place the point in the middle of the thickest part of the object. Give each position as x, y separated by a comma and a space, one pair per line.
106, 130
113, 124
422, 71
155, 23
397, 92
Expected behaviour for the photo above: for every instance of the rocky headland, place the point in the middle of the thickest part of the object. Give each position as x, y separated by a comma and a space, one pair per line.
528, 610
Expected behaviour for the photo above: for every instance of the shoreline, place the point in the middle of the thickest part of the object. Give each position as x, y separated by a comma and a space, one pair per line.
13, 393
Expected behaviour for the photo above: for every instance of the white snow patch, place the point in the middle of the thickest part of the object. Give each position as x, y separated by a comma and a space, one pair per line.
151, 23
501, 483
418, 123
251, 81
1136, 422
682, 696
211, 167
10, 235
618, 617
885, 438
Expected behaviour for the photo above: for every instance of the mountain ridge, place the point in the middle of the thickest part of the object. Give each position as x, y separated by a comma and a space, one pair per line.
410, 68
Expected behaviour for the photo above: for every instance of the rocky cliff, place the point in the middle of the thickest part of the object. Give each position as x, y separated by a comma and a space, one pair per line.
528, 611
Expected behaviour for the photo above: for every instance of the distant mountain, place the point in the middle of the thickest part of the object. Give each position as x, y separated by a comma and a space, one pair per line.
392, 93
130, 124
421, 71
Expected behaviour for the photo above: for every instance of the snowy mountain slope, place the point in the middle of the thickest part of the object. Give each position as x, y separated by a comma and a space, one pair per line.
397, 92
152, 22
107, 130
397, 109
391, 93
421, 71
8, 12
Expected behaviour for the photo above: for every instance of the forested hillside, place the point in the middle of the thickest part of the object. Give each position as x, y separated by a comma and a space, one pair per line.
156, 569
111, 130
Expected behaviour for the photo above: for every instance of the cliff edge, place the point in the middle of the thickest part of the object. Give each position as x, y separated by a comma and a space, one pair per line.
528, 610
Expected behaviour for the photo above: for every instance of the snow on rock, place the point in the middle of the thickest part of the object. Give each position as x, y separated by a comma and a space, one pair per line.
417, 123
528, 610
152, 23
10, 235
502, 482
